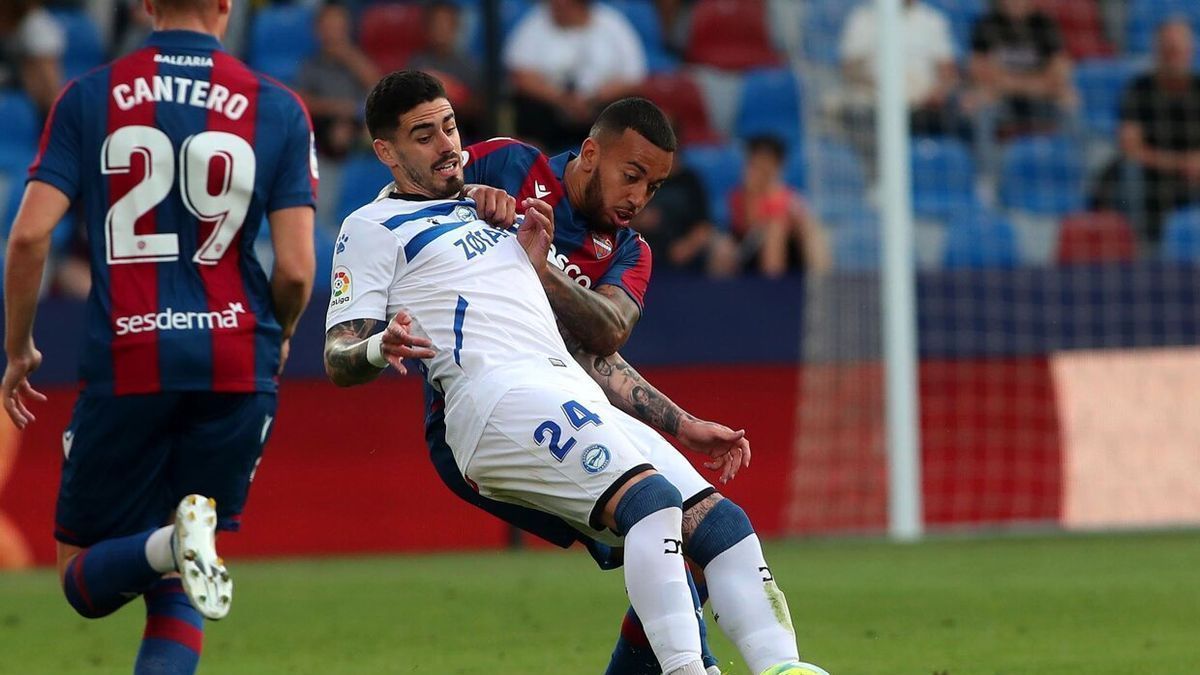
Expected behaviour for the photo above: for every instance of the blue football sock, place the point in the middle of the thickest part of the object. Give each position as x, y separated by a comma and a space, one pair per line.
174, 634
101, 579
633, 655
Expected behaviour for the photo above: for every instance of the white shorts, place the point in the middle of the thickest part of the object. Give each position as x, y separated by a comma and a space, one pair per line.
565, 453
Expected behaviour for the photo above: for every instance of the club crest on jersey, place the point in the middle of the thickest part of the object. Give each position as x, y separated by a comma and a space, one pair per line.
464, 213
595, 458
603, 245
341, 287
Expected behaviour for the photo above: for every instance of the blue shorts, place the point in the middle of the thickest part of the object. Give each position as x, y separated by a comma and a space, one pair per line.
130, 459
549, 527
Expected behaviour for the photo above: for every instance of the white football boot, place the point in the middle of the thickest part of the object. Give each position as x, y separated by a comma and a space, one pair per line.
205, 579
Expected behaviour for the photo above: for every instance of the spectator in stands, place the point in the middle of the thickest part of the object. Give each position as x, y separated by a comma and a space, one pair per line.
1021, 75
335, 82
930, 72
1159, 135
443, 59
31, 48
677, 226
773, 229
568, 59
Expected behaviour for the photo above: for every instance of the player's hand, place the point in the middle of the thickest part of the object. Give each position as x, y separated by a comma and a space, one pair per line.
16, 390
537, 232
399, 343
494, 206
729, 450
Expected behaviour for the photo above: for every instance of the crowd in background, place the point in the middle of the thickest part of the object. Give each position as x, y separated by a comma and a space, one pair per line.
1024, 114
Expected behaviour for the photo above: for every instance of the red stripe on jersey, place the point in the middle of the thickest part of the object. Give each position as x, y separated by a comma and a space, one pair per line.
233, 349
485, 148
133, 286
45, 138
541, 183
308, 118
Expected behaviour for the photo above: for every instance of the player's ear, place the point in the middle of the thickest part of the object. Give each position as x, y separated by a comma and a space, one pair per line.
384, 152
589, 154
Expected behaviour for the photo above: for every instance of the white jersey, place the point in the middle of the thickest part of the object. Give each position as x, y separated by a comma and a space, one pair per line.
470, 290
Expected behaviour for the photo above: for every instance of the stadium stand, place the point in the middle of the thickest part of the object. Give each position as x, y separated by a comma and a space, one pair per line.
730, 35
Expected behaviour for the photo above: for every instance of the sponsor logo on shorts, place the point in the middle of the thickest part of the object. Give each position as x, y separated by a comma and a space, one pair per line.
341, 286
595, 458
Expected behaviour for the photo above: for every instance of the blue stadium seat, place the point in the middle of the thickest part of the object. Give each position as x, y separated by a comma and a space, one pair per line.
84, 48
1101, 82
1181, 236
1043, 175
720, 169
281, 38
362, 179
644, 17
1143, 17
18, 143
855, 238
795, 171
837, 171
822, 34
962, 15
977, 238
770, 104
943, 177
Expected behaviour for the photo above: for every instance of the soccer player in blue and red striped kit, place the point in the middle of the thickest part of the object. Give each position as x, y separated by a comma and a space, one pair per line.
171, 156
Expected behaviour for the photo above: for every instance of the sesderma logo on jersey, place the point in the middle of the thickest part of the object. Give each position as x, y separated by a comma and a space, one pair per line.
169, 319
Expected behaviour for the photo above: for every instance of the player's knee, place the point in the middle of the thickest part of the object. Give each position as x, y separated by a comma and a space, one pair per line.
649, 495
722, 527
78, 600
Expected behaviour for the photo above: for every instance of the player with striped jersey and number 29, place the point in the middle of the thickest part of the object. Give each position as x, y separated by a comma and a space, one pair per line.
525, 422
172, 155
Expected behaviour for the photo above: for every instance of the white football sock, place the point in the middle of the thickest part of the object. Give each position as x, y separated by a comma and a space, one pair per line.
749, 607
158, 550
693, 668
657, 585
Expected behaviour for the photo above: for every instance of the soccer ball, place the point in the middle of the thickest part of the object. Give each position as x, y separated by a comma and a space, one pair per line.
795, 668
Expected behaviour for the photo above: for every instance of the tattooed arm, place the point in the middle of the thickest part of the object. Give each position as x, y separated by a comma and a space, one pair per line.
346, 344
603, 318
630, 392
346, 353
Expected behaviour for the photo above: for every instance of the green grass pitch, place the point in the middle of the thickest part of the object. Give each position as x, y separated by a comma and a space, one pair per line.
1061, 605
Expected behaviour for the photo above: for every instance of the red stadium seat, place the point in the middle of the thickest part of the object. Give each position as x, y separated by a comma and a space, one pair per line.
679, 97
390, 33
1081, 25
731, 34
1100, 236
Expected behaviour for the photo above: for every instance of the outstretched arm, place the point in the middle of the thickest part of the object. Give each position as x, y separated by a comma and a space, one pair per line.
625, 388
356, 354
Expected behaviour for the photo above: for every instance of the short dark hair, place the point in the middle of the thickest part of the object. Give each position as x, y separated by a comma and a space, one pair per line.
639, 114
767, 143
179, 5
396, 94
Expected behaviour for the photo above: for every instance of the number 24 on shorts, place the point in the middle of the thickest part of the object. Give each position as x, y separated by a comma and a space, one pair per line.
578, 416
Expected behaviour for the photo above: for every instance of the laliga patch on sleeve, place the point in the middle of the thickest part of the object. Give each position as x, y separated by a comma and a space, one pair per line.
343, 288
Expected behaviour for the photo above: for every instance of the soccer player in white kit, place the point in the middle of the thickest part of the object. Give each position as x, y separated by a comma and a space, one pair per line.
526, 424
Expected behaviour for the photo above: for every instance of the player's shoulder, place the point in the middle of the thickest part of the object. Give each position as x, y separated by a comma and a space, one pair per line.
502, 148
392, 213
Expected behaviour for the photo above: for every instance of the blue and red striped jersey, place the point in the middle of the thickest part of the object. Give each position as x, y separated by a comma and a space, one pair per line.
173, 155
588, 256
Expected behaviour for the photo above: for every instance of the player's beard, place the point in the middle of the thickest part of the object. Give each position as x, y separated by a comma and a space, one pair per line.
431, 183
593, 203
